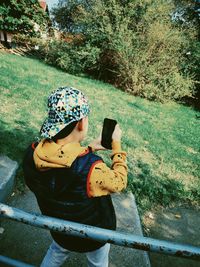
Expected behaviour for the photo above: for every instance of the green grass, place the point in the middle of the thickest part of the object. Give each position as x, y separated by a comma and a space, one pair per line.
162, 140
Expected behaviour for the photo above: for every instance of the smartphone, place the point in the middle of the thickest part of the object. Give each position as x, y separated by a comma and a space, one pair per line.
108, 129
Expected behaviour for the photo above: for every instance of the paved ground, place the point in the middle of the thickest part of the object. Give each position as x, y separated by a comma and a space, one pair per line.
29, 244
179, 224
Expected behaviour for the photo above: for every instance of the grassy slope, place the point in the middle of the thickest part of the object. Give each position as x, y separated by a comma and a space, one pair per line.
162, 140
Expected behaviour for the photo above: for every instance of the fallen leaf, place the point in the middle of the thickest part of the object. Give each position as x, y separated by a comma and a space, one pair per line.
191, 150
151, 216
2, 230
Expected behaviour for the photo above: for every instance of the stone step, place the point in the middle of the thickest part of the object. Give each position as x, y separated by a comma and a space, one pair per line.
8, 169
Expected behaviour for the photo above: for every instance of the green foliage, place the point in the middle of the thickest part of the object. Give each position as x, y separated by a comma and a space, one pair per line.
70, 57
25, 40
191, 65
20, 16
65, 14
140, 47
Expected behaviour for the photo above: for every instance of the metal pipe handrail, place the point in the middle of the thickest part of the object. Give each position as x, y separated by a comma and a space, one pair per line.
13, 262
102, 235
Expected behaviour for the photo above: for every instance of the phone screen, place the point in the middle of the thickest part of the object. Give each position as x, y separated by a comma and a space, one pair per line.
108, 128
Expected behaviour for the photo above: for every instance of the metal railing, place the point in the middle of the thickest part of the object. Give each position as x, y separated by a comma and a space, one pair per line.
11, 262
102, 235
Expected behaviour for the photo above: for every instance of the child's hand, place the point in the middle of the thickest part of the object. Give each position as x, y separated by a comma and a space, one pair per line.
96, 144
117, 134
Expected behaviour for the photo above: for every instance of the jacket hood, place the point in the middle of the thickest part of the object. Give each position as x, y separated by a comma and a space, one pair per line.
49, 155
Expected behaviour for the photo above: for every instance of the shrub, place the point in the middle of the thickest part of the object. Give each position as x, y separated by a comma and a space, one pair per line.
146, 62
70, 57
133, 44
25, 40
54, 54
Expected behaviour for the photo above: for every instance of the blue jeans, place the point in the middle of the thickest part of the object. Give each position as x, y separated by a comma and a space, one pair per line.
56, 256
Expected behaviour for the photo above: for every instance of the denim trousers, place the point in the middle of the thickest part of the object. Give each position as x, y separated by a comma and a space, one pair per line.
56, 256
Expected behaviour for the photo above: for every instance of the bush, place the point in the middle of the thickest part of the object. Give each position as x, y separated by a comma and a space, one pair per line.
69, 56
134, 45
25, 40
54, 54
146, 59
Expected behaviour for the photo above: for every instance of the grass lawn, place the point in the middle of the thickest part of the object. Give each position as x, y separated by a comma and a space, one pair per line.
162, 140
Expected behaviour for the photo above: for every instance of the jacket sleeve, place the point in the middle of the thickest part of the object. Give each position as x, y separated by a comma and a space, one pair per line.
103, 180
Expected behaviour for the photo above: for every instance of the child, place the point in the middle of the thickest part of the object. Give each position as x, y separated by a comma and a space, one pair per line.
70, 181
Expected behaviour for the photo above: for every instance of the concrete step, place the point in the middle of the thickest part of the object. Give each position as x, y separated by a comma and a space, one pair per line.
128, 221
8, 169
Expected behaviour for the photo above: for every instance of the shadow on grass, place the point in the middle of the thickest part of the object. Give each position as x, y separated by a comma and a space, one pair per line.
13, 143
150, 189
193, 102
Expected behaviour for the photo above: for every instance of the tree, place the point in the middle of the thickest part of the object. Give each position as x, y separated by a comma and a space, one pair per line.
20, 16
66, 12
142, 50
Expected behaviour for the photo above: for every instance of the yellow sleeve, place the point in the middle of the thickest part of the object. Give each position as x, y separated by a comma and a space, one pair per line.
103, 180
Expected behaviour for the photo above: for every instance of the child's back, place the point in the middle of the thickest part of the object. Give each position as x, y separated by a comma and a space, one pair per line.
70, 181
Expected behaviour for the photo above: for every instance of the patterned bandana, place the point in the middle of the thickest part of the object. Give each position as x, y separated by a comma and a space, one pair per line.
65, 105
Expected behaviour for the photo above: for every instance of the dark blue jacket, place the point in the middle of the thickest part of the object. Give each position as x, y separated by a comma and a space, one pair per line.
62, 193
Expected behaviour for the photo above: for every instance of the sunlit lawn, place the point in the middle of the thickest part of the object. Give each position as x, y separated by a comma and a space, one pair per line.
162, 140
